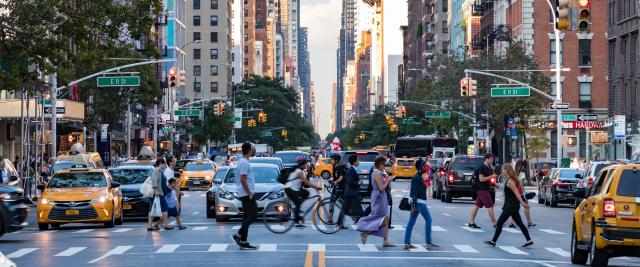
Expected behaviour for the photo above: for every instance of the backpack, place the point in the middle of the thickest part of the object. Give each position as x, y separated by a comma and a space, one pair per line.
283, 178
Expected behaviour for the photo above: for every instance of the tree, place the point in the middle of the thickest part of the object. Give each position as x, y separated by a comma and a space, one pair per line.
215, 128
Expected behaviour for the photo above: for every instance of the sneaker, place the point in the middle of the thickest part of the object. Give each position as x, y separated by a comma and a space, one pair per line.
246, 245
473, 225
512, 225
237, 239
300, 226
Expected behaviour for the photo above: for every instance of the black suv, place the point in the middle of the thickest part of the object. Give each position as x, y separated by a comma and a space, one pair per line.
13, 213
456, 182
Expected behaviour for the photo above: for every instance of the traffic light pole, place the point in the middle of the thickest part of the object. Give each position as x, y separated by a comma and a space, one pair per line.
475, 128
558, 99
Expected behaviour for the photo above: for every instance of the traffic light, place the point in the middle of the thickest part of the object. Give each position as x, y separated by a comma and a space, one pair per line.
464, 87
218, 109
389, 119
569, 140
584, 14
221, 108
182, 79
283, 133
262, 117
401, 111
473, 87
393, 128
562, 13
172, 77
362, 136
251, 123
357, 140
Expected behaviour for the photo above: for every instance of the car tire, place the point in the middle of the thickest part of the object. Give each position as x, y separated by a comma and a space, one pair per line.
111, 223
222, 218
2, 228
325, 175
540, 200
448, 197
120, 219
546, 200
553, 203
578, 256
43, 226
597, 257
55, 225
211, 213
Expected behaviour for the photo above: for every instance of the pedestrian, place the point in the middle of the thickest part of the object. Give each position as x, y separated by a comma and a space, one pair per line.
159, 184
246, 188
418, 201
520, 167
294, 188
512, 202
483, 195
427, 173
171, 165
377, 223
173, 205
351, 195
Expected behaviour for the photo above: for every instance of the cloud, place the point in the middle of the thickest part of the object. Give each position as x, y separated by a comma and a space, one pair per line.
323, 21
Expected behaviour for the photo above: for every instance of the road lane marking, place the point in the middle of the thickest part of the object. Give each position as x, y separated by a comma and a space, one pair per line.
203, 195
236, 227
316, 247
196, 213
122, 230
397, 195
116, 251
513, 250
321, 259
70, 251
21, 252
200, 228
268, 247
367, 248
398, 227
186, 196
446, 214
419, 248
431, 258
474, 230
465, 248
354, 227
511, 230
559, 251
308, 260
167, 249
436, 228
551, 231
218, 247
84, 231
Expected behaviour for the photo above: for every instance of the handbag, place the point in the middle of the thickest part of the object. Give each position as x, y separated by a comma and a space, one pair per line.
529, 195
404, 204
156, 210
147, 188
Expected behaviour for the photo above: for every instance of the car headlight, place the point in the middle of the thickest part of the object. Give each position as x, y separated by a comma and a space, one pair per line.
207, 177
8, 197
276, 195
99, 200
227, 195
45, 201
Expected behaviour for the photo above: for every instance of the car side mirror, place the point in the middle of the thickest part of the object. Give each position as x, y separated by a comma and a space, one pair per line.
115, 185
579, 176
41, 186
579, 192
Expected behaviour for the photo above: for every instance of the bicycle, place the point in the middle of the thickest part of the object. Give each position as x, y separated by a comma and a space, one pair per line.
330, 213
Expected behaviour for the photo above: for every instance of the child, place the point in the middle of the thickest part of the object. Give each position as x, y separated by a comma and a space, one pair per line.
173, 204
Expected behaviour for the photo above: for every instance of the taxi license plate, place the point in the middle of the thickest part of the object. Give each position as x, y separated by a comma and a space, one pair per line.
467, 178
196, 182
72, 212
126, 206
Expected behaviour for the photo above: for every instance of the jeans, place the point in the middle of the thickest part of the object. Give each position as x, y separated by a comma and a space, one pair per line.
424, 211
250, 214
296, 198
515, 215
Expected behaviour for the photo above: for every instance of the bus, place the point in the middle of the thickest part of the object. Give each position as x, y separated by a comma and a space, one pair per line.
424, 146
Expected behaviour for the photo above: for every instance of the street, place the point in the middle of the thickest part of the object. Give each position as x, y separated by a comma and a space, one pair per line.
206, 242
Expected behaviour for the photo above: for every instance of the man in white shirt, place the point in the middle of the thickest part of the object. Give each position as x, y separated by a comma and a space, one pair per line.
246, 188
171, 164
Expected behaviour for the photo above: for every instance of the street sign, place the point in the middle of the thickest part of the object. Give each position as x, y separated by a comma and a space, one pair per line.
49, 110
510, 91
474, 124
558, 105
46, 102
187, 112
438, 114
587, 117
410, 121
118, 81
266, 134
569, 117
166, 129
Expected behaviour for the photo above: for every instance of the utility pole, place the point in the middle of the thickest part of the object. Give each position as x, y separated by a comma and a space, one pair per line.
556, 33
54, 118
475, 128
155, 129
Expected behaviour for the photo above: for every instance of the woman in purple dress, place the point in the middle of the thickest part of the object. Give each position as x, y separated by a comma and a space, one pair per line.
377, 223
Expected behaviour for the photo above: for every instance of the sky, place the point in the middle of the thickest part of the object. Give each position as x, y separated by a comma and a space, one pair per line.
322, 17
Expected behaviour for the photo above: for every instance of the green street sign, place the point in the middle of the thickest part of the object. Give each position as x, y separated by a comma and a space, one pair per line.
266, 134
234, 119
438, 114
187, 112
569, 118
118, 81
47, 102
166, 129
510, 91
409, 121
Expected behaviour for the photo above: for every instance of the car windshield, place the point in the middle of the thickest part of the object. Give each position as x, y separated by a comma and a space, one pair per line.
467, 164
75, 180
364, 167
199, 167
363, 157
220, 174
569, 174
61, 165
599, 167
406, 163
130, 176
328, 161
434, 162
263, 175
629, 184
181, 163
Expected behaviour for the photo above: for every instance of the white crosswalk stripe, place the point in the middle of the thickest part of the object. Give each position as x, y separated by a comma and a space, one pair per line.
551, 231
268, 247
474, 230
236, 227
316, 247
70, 251
218, 247
511, 230
436, 228
203, 195
167, 248
513, 250
419, 248
200, 228
398, 227
446, 214
196, 213
122, 230
465, 248
367, 248
84, 231
21, 252
559, 251
116, 251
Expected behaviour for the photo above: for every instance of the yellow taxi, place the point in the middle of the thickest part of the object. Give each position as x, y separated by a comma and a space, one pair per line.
404, 168
80, 195
197, 174
606, 224
324, 168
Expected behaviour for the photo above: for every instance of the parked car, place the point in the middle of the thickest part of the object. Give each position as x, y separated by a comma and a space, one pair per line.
459, 173
13, 213
559, 188
131, 178
606, 224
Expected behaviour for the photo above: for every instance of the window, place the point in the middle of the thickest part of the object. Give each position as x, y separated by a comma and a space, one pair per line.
197, 87
196, 4
196, 36
584, 48
445, 26
445, 6
214, 87
214, 4
554, 89
445, 48
196, 53
585, 95
214, 20
214, 53
553, 52
214, 70
214, 37
197, 70
429, 28
196, 20
246, 13
429, 45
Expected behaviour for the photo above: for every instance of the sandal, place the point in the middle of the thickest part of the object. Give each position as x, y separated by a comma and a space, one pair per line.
531, 225
409, 246
156, 227
490, 243
527, 244
363, 238
167, 228
151, 229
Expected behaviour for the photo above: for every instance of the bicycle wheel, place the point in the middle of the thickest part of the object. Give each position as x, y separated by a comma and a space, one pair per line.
329, 217
278, 217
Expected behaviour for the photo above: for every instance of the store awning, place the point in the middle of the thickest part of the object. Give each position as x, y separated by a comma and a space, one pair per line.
10, 109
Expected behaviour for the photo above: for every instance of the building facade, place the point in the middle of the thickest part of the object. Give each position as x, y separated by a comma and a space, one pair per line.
304, 72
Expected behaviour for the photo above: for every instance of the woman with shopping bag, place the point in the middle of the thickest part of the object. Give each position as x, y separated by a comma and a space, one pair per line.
159, 184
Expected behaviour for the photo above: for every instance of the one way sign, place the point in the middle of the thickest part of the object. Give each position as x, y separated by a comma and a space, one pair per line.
588, 117
49, 110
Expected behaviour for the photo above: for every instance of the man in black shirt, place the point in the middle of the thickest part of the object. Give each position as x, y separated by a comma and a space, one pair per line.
483, 190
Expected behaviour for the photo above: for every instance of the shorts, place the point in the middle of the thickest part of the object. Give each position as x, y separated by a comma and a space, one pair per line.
173, 212
484, 200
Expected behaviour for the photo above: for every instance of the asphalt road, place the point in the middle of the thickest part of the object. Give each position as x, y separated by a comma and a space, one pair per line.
206, 242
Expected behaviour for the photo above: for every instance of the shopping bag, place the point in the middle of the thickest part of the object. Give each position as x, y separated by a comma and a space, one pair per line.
156, 210
147, 188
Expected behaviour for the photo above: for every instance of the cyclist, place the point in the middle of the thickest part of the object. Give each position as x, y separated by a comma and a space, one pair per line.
294, 187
